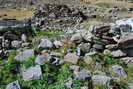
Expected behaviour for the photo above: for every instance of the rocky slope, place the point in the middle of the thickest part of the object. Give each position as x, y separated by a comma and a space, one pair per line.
60, 48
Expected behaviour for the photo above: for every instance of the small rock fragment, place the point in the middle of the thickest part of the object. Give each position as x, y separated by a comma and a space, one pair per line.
71, 58
25, 55
13, 85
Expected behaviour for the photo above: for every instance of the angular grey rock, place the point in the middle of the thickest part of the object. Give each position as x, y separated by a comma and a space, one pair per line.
126, 22
84, 87
71, 58
25, 55
101, 28
83, 75
69, 84
129, 52
77, 38
87, 58
98, 47
32, 73
74, 68
24, 38
101, 79
56, 54
126, 41
85, 47
87, 36
13, 85
16, 44
130, 85
40, 59
128, 60
46, 43
58, 44
119, 71
118, 53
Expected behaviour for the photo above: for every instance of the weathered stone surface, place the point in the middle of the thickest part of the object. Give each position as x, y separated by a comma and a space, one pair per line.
56, 54
71, 58
128, 60
87, 36
84, 87
98, 47
83, 75
85, 47
45, 44
126, 41
25, 55
87, 58
13, 85
130, 85
69, 84
58, 44
118, 53
101, 79
77, 38
118, 71
40, 59
16, 44
23, 38
74, 68
32, 73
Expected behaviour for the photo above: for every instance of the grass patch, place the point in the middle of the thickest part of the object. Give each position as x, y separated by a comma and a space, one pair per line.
49, 34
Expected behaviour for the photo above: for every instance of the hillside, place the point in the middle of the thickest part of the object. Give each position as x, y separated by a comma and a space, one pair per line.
66, 44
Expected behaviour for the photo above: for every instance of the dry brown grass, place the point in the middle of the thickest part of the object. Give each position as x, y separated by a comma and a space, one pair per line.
15, 14
112, 2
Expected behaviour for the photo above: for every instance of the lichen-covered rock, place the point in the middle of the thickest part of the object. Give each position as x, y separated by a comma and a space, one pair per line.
69, 84
85, 47
84, 87
46, 44
77, 38
126, 41
25, 55
32, 73
58, 44
16, 44
71, 58
13, 85
118, 71
40, 59
118, 53
101, 79
87, 36
83, 75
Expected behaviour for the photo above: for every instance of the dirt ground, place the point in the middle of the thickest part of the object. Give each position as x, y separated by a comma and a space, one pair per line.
15, 14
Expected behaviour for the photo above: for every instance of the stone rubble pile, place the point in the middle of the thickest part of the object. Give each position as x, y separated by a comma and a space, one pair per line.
13, 35
50, 16
112, 39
